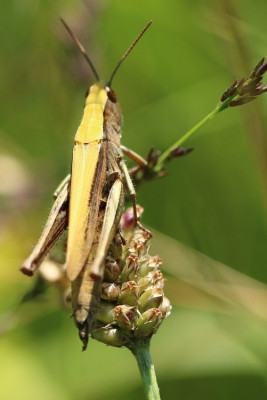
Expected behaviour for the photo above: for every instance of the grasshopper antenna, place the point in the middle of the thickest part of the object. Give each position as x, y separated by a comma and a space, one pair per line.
127, 52
81, 48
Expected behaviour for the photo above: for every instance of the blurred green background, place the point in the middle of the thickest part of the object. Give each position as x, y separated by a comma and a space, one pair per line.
214, 344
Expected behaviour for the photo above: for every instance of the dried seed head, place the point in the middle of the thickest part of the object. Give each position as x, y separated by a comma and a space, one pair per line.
178, 152
141, 306
247, 89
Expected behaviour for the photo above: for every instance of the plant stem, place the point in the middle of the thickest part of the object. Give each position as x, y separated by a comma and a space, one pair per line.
140, 350
186, 136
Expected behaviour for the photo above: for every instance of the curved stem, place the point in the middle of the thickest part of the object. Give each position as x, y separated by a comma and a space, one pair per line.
186, 136
141, 352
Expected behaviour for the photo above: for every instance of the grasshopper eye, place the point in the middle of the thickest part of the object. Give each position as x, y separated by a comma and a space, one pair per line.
111, 95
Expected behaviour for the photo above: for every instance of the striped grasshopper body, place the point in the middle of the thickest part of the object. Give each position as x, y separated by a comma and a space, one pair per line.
93, 220
90, 201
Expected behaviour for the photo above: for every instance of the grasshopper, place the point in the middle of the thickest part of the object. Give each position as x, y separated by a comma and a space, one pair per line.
90, 200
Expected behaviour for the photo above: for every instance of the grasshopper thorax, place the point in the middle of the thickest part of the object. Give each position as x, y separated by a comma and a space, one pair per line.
101, 95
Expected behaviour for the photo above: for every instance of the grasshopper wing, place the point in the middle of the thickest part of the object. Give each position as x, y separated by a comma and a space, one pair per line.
54, 227
87, 182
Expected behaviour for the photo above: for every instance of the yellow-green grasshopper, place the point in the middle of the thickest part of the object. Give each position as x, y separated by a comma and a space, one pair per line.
89, 202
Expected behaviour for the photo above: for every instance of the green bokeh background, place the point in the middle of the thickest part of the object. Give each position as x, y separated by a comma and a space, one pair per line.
213, 200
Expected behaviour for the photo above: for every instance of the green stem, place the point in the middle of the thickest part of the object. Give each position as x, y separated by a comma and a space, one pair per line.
186, 136
141, 352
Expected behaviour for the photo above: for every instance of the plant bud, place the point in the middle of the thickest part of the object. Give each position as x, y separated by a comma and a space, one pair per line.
109, 291
143, 283
105, 313
112, 270
131, 268
144, 269
148, 322
154, 262
110, 336
165, 307
154, 277
149, 265
151, 298
139, 244
127, 220
126, 317
129, 293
